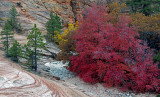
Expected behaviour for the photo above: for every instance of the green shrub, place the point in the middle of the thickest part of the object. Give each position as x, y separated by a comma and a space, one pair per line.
15, 51
158, 95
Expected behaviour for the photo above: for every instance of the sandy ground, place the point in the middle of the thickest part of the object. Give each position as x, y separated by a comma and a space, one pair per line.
93, 90
98, 90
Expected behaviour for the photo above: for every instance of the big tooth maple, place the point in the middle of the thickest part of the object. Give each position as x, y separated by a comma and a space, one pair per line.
110, 53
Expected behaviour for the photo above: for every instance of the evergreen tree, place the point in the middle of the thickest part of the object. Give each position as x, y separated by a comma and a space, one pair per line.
29, 56
146, 7
53, 25
13, 17
33, 46
13, 20
49, 24
6, 36
15, 51
57, 23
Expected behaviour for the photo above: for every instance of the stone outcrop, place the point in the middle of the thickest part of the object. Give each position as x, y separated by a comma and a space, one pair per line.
37, 11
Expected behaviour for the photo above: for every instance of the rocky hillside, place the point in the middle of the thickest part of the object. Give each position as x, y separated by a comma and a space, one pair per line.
37, 11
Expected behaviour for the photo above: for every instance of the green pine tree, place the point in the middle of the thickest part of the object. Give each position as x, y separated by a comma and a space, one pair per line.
146, 7
13, 17
49, 25
15, 51
57, 23
33, 47
29, 56
6, 36
14, 21
53, 26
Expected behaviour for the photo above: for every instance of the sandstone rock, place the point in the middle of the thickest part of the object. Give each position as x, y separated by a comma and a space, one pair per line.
37, 11
14, 82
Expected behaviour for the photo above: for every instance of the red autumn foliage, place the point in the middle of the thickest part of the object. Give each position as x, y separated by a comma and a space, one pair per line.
110, 53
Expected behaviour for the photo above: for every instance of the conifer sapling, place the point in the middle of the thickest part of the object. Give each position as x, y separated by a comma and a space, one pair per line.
6, 36
34, 45
15, 51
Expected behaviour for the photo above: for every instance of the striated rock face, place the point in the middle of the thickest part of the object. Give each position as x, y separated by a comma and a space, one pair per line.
79, 5
68, 10
37, 11
15, 82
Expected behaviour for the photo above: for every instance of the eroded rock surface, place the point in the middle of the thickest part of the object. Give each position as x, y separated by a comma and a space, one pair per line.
37, 11
15, 82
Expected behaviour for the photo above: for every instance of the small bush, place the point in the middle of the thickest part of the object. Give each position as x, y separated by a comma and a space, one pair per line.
53, 27
66, 43
15, 51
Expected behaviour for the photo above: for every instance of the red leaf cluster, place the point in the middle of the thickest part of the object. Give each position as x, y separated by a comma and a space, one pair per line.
110, 53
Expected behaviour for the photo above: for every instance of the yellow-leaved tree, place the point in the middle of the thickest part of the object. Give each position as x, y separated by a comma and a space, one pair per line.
146, 23
55, 37
114, 10
66, 42
148, 28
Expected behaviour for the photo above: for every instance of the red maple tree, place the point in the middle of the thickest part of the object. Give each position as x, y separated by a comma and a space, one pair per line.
110, 53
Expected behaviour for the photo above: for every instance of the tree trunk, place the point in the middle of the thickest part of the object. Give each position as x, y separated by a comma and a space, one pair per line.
53, 55
35, 52
7, 44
